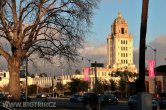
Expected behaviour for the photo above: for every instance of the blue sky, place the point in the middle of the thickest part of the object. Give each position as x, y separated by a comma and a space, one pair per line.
95, 47
131, 11
104, 16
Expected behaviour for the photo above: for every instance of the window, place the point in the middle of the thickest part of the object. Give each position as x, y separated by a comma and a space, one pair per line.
0, 78
159, 87
122, 30
4, 74
98, 73
102, 73
146, 86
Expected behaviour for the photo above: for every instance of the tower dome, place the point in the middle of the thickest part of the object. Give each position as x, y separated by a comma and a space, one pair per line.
119, 19
119, 26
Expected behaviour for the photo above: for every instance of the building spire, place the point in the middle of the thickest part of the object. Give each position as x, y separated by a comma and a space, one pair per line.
119, 14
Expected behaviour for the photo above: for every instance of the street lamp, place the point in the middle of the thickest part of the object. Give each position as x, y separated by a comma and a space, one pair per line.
61, 77
155, 50
95, 72
89, 60
24, 63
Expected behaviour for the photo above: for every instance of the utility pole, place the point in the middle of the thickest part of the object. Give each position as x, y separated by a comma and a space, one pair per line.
96, 77
53, 87
143, 30
37, 90
24, 64
155, 73
62, 81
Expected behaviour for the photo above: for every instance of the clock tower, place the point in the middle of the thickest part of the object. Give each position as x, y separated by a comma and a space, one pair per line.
120, 46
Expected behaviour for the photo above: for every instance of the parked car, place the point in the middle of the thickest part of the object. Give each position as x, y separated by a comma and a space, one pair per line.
101, 99
23, 97
110, 99
155, 103
132, 103
91, 101
90, 98
76, 98
162, 102
54, 95
41, 97
2, 97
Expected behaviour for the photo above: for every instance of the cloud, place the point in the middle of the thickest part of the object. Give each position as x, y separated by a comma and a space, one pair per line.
93, 53
136, 56
93, 50
98, 53
160, 45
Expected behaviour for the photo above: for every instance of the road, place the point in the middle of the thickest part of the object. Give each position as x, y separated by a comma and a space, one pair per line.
65, 104
120, 106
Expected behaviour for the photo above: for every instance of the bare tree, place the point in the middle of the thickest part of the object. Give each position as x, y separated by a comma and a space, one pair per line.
43, 27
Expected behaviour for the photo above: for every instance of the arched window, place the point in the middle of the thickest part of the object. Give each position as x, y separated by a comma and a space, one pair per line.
122, 30
159, 87
147, 86
4, 75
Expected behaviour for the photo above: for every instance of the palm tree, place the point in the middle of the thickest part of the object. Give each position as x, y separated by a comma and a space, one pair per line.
125, 78
113, 85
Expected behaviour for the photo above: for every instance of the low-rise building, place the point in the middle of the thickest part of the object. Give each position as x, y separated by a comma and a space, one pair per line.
4, 78
157, 83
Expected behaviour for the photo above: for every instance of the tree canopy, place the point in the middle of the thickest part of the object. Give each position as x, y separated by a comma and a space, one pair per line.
77, 85
46, 28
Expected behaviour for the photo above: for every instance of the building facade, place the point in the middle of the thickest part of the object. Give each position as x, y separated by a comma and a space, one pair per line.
4, 78
155, 85
120, 46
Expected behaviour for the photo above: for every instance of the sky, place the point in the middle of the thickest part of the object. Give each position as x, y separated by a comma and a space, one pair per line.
95, 47
131, 12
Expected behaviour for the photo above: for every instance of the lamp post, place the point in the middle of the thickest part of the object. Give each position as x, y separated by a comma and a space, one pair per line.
95, 73
62, 81
155, 50
89, 60
24, 64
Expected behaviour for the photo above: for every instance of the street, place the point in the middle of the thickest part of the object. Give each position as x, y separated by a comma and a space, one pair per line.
65, 104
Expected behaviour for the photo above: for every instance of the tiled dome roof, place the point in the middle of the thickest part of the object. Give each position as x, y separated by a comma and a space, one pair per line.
119, 19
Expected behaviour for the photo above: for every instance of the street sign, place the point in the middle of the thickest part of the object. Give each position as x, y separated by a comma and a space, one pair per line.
97, 65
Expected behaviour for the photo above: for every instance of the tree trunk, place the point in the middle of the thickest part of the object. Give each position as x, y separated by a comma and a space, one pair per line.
14, 82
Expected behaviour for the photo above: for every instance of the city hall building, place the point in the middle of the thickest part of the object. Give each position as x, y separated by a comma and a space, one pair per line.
120, 46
